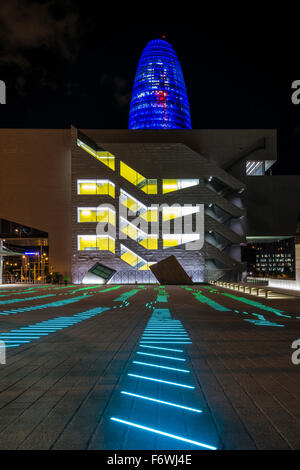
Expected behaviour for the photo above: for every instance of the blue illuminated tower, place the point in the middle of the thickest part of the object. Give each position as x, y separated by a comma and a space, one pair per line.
159, 99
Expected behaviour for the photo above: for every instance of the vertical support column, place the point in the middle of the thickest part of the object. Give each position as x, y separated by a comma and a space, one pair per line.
1, 262
160, 219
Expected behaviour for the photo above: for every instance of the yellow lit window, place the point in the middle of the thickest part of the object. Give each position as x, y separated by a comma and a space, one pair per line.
148, 186
96, 243
134, 260
87, 214
175, 211
150, 214
172, 240
96, 187
104, 157
170, 185
147, 241
94, 214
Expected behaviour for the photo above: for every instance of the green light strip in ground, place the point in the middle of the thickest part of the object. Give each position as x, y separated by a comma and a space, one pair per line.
206, 300
280, 313
126, 295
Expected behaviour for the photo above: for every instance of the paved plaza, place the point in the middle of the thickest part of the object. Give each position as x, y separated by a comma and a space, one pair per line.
147, 367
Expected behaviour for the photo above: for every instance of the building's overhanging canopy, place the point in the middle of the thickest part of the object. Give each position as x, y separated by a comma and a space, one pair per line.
10, 253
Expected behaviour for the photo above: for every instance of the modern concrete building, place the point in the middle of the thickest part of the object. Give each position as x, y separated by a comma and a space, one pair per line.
111, 203
55, 181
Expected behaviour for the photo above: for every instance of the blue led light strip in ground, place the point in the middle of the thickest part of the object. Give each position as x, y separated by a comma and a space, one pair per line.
160, 367
162, 433
163, 357
25, 299
165, 337
163, 349
167, 334
165, 342
58, 303
162, 402
161, 330
164, 330
52, 325
161, 381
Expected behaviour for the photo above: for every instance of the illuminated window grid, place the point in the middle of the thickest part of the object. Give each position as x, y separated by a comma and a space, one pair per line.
170, 185
96, 243
104, 157
148, 186
134, 260
149, 242
95, 187
96, 214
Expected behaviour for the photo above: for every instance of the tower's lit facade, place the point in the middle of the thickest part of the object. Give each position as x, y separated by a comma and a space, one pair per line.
159, 98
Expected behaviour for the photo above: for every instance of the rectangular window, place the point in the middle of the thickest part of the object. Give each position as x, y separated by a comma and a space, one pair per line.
254, 168
172, 240
96, 243
96, 214
96, 187
170, 185
175, 211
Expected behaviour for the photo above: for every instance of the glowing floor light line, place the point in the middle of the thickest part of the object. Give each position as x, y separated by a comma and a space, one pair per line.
170, 328
176, 330
162, 402
163, 349
34, 332
161, 381
160, 367
163, 338
163, 357
166, 342
167, 331
19, 337
11, 341
165, 334
25, 299
47, 327
163, 433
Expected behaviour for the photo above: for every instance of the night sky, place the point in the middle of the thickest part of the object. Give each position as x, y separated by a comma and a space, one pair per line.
65, 63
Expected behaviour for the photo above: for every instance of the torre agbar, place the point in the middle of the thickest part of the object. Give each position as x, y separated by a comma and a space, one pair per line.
112, 203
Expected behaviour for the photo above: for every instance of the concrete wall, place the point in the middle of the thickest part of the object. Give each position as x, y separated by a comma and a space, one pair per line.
220, 146
35, 182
